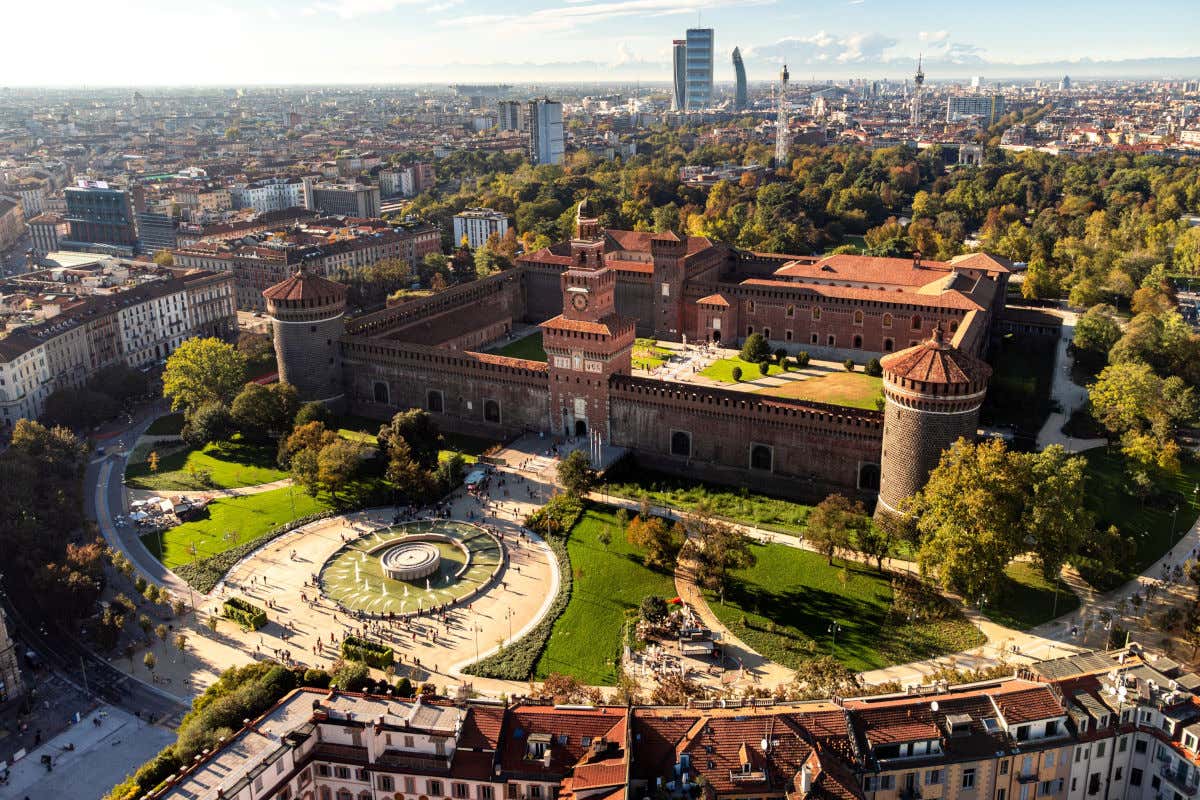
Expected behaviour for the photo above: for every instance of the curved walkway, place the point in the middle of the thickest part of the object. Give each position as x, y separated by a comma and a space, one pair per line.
210, 494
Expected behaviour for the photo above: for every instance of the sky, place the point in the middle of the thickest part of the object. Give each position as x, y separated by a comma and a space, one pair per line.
251, 42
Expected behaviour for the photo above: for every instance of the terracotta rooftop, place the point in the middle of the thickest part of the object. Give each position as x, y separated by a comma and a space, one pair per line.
866, 269
611, 325
1029, 705
713, 300
303, 286
935, 361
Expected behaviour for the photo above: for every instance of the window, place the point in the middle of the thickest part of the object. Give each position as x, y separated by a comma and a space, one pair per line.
1094, 783
761, 457
1052, 728
345, 794
1118, 773
1135, 777
410, 785
888, 345
342, 772
916, 322
751, 306
1003, 767
326, 793
1139, 745
749, 330
434, 401
1100, 749
433, 788
766, 333
787, 335
858, 318
485, 791
512, 791
323, 770
857, 342
1050, 759
933, 777
831, 341
887, 320
491, 411
791, 312
968, 778
681, 444
460, 790
386, 783
1023, 733
1000, 793
535, 791
816, 314
1123, 744
813, 340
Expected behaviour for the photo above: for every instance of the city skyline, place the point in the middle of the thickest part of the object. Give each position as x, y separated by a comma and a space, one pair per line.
402, 42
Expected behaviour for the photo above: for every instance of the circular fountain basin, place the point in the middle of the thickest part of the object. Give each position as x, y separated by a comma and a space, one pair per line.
410, 561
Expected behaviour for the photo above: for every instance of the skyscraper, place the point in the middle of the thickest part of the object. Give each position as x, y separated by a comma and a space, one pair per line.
739, 73
783, 134
679, 73
546, 144
100, 215
699, 68
918, 82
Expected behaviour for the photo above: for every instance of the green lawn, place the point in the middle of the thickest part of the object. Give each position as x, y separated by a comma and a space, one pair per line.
166, 425
648, 355
530, 347
362, 429
586, 639
1026, 599
1019, 390
722, 370
784, 605
853, 389
230, 464
1147, 522
247, 518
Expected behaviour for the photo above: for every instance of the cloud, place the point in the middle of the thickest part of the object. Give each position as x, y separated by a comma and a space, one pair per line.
933, 36
445, 5
349, 9
822, 47
577, 14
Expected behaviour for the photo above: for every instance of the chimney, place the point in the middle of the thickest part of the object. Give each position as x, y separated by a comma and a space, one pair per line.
805, 779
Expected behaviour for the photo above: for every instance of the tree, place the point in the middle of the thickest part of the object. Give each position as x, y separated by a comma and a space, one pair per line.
848, 364
305, 470
1055, 520
576, 474
211, 422
1096, 332
152, 461
567, 689
874, 368
736, 374
337, 464
755, 349
653, 609
802, 359
969, 516
309, 436
717, 548
834, 524
875, 541
313, 411
150, 660
203, 370
261, 412
411, 480
660, 541
764, 367
164, 258
418, 428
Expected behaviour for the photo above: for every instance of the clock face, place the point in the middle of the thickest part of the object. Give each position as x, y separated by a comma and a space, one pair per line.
580, 301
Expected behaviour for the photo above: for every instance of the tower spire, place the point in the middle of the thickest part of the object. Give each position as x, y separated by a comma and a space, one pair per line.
918, 81
782, 134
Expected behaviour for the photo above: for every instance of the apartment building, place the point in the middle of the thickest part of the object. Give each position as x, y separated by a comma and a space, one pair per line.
1097, 726
12, 223
272, 194
346, 199
477, 224
137, 326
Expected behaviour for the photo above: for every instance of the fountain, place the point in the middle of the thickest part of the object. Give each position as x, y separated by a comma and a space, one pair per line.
411, 560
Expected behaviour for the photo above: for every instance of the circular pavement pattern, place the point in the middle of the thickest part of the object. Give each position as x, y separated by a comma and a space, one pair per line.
355, 575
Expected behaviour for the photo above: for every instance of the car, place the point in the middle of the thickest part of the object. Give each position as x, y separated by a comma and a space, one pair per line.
100, 451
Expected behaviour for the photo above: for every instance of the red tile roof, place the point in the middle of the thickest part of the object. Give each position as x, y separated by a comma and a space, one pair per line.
866, 269
947, 299
1029, 705
303, 286
713, 300
611, 325
481, 728
936, 361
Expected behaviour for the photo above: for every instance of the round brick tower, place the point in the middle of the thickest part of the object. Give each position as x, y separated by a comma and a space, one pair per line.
307, 314
932, 395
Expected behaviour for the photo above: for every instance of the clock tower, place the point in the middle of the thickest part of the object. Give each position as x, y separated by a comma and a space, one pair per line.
589, 342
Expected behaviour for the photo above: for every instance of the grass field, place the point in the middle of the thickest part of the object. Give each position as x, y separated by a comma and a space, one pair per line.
586, 639
1147, 522
244, 518
854, 389
648, 355
1019, 391
722, 370
785, 605
362, 429
230, 465
1026, 598
166, 425
530, 347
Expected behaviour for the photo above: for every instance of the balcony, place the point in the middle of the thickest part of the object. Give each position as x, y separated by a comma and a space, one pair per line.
1185, 787
1027, 777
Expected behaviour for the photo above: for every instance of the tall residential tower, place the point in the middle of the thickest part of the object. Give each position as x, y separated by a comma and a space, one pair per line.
739, 73
918, 82
679, 75
699, 68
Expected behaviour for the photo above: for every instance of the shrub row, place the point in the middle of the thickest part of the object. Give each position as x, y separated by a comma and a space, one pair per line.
517, 661
204, 574
372, 654
244, 613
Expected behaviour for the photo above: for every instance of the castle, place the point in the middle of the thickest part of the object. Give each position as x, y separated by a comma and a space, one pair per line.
929, 322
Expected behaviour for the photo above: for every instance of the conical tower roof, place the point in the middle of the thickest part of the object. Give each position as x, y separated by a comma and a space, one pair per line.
936, 361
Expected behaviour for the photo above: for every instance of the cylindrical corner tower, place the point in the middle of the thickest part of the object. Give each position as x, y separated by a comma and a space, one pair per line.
932, 395
307, 316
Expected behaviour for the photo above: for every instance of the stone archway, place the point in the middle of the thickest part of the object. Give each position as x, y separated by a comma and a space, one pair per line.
581, 427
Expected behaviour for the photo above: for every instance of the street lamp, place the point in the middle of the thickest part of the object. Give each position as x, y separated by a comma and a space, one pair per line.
834, 628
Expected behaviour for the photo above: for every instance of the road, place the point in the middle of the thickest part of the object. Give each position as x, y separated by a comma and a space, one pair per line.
12, 260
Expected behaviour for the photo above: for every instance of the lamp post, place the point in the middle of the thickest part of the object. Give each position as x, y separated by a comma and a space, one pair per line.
834, 628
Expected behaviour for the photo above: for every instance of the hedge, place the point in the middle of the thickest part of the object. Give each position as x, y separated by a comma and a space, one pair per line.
372, 654
245, 613
517, 661
206, 573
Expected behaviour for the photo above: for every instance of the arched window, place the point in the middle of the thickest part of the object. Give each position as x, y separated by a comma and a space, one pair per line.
681, 444
491, 411
364, 795
434, 402
761, 457
345, 794
916, 322
888, 345
749, 330
766, 333
791, 311
381, 393
868, 477
831, 341
326, 793
751, 306
857, 342
858, 317
816, 313
954, 326
887, 320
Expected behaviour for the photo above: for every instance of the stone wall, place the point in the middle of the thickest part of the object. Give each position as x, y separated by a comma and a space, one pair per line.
811, 448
